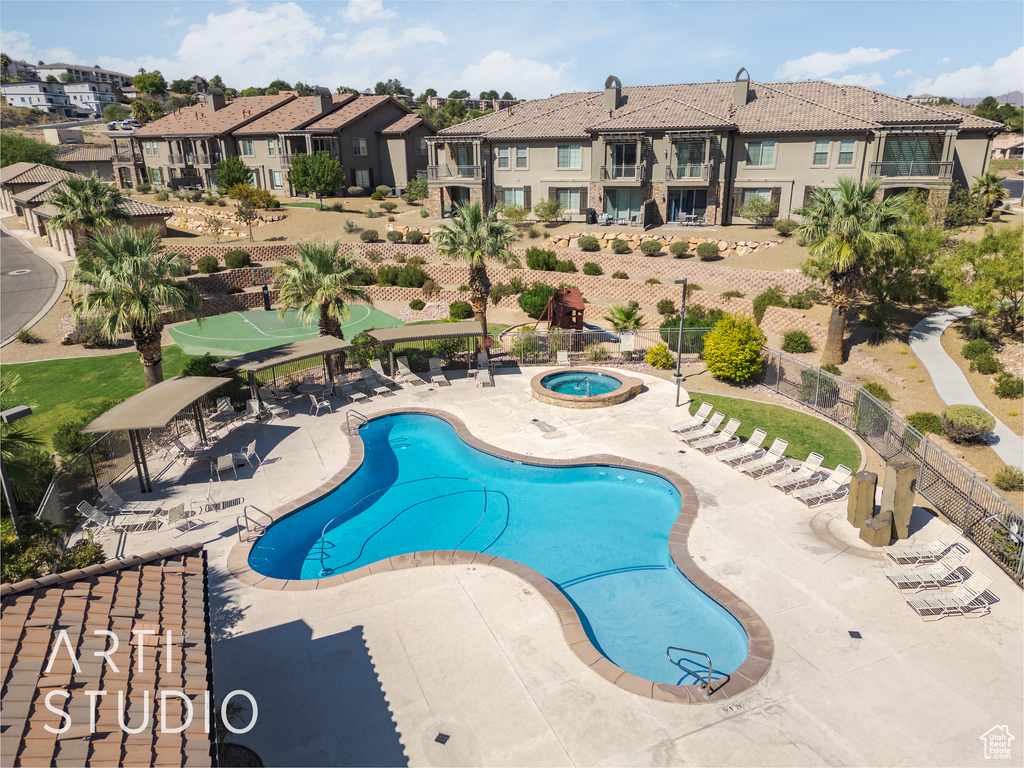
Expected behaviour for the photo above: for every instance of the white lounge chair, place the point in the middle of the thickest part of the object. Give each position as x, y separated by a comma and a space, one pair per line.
372, 384
405, 372
929, 551
772, 461
349, 391
112, 499
319, 403
562, 357
694, 421
835, 487
720, 441
436, 374
118, 521
270, 405
748, 450
177, 519
801, 476
966, 600
484, 378
939, 574
378, 371
703, 431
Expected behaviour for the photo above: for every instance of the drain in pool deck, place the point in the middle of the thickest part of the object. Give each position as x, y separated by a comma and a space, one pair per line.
442, 738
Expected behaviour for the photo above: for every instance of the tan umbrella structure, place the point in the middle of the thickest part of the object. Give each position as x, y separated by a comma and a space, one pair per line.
427, 332
271, 358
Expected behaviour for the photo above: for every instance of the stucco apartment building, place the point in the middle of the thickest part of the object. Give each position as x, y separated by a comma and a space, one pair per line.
652, 154
376, 139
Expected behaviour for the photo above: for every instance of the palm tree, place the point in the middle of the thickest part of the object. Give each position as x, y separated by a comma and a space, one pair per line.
625, 318
988, 188
476, 236
86, 206
128, 283
837, 229
17, 443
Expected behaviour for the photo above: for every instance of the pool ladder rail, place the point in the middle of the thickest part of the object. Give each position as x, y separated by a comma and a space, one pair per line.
248, 529
704, 684
359, 419
586, 381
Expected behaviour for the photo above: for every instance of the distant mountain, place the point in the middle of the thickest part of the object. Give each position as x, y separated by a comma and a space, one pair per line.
1013, 97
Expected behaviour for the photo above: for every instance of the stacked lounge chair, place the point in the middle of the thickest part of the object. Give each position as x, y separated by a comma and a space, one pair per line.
928, 552
836, 486
968, 599
942, 573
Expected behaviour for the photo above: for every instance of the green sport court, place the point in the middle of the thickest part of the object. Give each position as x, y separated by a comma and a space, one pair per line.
239, 332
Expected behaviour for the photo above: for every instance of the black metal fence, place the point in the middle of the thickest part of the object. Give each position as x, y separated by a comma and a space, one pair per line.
526, 346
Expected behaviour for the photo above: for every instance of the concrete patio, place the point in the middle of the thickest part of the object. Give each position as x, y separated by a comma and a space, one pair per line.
370, 672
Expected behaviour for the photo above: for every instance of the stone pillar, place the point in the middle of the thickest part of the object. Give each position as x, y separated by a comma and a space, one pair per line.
860, 504
659, 190
877, 530
898, 494
714, 203
595, 197
476, 195
435, 201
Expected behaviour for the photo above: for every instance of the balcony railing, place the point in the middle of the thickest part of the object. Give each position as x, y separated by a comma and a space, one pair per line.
126, 157
208, 159
176, 159
622, 172
287, 157
916, 168
435, 172
688, 172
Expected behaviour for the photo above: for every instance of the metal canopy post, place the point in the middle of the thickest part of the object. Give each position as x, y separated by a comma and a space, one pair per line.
142, 458
135, 458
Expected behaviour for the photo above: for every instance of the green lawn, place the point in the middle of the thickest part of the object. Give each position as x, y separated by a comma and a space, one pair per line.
302, 205
63, 390
805, 433
1007, 164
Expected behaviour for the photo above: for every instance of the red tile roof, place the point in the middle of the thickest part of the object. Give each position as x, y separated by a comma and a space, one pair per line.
198, 120
292, 116
85, 153
31, 173
350, 111
403, 125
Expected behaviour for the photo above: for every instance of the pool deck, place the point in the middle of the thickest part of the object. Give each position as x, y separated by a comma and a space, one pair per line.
369, 672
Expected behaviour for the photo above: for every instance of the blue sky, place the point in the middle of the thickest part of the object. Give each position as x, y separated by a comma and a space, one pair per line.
954, 49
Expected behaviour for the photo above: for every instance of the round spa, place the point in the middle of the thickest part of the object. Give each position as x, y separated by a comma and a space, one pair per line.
584, 388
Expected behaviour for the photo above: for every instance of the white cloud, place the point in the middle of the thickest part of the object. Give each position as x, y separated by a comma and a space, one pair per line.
174, 20
903, 73
380, 40
526, 78
867, 80
824, 63
944, 60
359, 11
18, 45
1002, 76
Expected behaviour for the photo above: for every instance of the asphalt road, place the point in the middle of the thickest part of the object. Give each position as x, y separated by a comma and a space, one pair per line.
22, 295
1014, 186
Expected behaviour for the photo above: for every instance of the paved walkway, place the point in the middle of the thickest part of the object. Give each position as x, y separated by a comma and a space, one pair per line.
949, 380
31, 282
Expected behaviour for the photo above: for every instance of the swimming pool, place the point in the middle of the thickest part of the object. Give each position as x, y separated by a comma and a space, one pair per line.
599, 533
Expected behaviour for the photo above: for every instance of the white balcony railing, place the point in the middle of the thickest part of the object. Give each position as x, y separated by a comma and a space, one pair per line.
688, 172
912, 168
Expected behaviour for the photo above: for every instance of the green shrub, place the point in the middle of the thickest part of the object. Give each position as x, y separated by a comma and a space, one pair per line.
221, 202
691, 287
411, 276
539, 259
680, 250
588, 243
658, 356
163, 195
414, 236
1009, 478
209, 200
785, 227
388, 206
144, 188
976, 348
383, 190
430, 289
66, 438
417, 304
966, 423
652, 281
986, 364
565, 265
460, 310
424, 213
199, 365
800, 301
395, 236
533, 233
925, 422
796, 342
1009, 386
207, 264
376, 196
463, 288
731, 294
500, 290
771, 298
237, 259
880, 392
350, 225
650, 247
364, 349
355, 191
400, 258
388, 275
592, 268
620, 276
976, 329
595, 353
817, 388
707, 251
832, 368
415, 261
875, 316
533, 301
732, 351
371, 214
82, 554
368, 235
363, 276
666, 307
620, 246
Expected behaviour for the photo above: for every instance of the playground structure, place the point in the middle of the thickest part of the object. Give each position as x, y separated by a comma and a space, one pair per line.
564, 310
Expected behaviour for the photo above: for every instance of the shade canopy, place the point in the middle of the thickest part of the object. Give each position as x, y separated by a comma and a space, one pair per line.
262, 359
426, 332
154, 408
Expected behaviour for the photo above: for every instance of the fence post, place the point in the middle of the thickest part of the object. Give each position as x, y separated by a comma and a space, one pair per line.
888, 431
968, 526
817, 388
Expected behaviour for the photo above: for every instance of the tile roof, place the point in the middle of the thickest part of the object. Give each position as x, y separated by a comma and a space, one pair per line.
85, 153
161, 591
403, 125
770, 108
292, 116
136, 208
199, 121
31, 173
41, 193
349, 111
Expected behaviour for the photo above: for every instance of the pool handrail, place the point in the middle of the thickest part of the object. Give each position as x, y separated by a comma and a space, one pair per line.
360, 418
586, 380
706, 685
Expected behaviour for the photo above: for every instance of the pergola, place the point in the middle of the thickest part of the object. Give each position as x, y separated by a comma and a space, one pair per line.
252, 363
155, 408
427, 332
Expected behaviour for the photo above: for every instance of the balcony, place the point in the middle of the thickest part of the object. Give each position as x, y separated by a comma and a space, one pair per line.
176, 159
688, 172
622, 173
286, 158
208, 160
914, 169
469, 172
126, 158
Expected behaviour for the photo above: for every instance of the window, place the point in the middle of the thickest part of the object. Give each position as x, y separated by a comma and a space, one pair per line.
254, 177
750, 194
570, 156
569, 200
270, 147
521, 157
326, 144
846, 147
359, 148
246, 148
156, 176
761, 153
152, 148
362, 179
503, 157
278, 179
513, 196
821, 152
421, 146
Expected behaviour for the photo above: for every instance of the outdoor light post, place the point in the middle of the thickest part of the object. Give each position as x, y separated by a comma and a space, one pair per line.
10, 416
679, 345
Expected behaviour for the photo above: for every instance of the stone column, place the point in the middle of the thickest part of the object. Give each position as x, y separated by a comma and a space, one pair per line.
435, 201
898, 494
861, 502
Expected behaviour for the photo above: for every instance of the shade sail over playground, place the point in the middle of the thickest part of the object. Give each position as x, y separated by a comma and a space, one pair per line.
154, 408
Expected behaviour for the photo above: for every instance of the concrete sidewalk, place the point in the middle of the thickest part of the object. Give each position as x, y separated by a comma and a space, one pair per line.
950, 382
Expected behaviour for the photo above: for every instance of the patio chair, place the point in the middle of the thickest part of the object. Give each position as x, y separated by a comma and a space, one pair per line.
748, 450
378, 371
349, 391
942, 573
177, 519
966, 600
800, 477
223, 464
372, 384
484, 378
772, 461
112, 499
318, 404
694, 421
562, 357
833, 488
706, 430
720, 441
271, 407
436, 374
405, 372
118, 521
485, 361
252, 411
247, 454
929, 551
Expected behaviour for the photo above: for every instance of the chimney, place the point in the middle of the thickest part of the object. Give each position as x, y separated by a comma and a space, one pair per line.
741, 88
215, 99
612, 92
322, 100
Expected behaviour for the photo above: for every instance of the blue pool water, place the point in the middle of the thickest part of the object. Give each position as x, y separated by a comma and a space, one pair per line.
576, 383
600, 533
